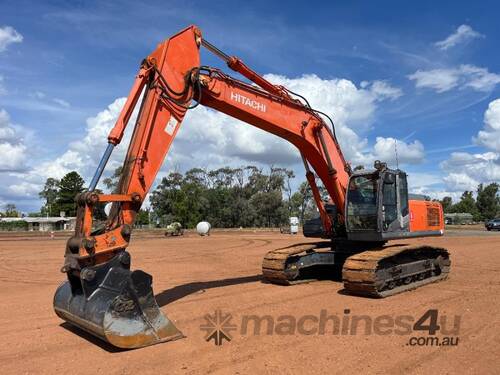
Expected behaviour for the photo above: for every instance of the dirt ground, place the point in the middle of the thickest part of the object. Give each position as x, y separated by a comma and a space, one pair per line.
195, 276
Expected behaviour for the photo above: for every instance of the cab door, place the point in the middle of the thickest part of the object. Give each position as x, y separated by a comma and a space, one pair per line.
394, 202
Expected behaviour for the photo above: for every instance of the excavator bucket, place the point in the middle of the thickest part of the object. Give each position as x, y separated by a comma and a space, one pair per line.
115, 304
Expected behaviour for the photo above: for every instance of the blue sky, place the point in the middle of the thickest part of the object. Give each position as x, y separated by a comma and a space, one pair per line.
426, 74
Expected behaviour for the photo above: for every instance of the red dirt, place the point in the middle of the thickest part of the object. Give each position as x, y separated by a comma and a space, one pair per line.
195, 275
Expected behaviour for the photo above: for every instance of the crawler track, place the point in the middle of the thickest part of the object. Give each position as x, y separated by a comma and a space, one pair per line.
394, 269
282, 266
376, 273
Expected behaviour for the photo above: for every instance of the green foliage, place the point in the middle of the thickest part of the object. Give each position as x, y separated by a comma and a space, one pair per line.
142, 218
11, 210
485, 207
14, 225
226, 197
49, 194
113, 181
488, 201
467, 204
447, 204
67, 189
303, 205
229, 197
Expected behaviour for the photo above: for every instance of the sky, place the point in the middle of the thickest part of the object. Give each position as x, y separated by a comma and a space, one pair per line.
421, 77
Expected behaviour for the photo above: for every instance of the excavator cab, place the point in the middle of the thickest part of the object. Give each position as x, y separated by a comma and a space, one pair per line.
378, 208
377, 204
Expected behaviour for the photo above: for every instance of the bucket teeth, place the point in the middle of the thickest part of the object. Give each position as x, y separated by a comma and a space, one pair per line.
115, 304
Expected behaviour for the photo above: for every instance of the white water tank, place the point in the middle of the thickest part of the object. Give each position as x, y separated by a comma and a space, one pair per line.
203, 228
294, 225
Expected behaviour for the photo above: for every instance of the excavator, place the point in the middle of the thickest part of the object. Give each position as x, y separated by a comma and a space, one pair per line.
366, 208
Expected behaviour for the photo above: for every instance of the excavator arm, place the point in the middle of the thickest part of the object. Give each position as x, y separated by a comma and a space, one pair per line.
102, 295
169, 81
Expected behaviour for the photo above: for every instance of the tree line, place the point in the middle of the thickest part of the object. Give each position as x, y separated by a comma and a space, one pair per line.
247, 196
226, 197
231, 197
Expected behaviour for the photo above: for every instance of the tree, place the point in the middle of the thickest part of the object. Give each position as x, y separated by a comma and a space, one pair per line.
69, 186
142, 217
49, 194
467, 204
447, 203
301, 200
288, 175
11, 210
488, 201
164, 197
113, 181
226, 197
269, 206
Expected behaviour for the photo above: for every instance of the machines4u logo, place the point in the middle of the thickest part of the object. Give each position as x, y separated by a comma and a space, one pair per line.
218, 327
430, 329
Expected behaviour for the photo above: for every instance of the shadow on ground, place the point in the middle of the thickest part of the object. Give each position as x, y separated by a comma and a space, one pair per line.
91, 338
181, 291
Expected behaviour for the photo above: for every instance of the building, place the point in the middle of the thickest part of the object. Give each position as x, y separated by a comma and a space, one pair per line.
42, 224
458, 218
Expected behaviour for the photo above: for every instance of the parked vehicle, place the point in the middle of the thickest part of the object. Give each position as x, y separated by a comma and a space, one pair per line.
492, 224
174, 229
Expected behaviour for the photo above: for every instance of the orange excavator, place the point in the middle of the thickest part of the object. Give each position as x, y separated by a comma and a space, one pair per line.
366, 209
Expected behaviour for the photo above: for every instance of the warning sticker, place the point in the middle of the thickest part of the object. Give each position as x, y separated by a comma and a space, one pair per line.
171, 125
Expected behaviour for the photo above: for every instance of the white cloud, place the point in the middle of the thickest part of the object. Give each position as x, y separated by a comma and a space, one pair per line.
45, 102
211, 139
230, 141
81, 155
460, 182
429, 184
440, 80
9, 35
464, 76
7, 132
22, 180
490, 136
466, 171
409, 153
382, 90
480, 79
463, 34
24, 189
13, 156
12, 148
61, 102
